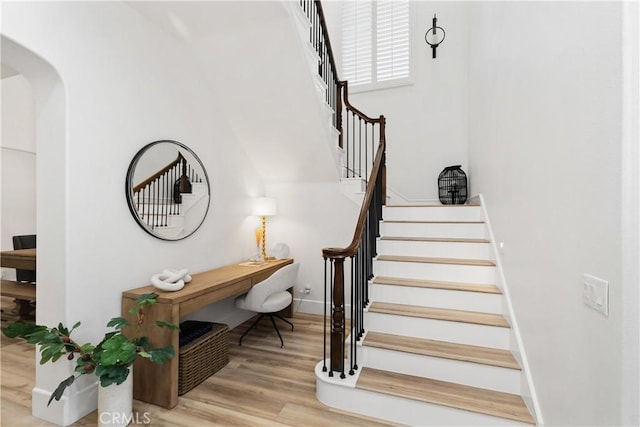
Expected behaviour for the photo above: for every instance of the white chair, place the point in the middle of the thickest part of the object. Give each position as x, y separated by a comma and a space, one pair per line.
269, 297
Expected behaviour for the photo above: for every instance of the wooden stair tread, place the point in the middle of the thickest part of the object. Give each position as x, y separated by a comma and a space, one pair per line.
488, 319
435, 284
434, 239
489, 402
447, 350
432, 260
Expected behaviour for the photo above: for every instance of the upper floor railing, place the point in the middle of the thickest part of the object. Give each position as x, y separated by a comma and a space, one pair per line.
363, 141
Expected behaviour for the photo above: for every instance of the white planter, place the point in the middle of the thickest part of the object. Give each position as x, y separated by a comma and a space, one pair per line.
115, 403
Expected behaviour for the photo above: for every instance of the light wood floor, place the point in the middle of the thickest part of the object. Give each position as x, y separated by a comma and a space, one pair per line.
263, 385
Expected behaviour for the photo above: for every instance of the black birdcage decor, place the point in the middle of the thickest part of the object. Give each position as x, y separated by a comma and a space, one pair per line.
452, 186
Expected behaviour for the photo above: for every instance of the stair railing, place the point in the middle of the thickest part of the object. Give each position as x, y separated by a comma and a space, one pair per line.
360, 252
160, 195
363, 141
319, 39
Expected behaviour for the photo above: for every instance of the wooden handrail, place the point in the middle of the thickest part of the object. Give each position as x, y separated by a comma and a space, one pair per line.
158, 174
351, 250
355, 110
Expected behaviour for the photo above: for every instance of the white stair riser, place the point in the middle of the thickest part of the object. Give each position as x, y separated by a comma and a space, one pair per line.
473, 374
441, 330
440, 298
398, 409
434, 249
440, 272
437, 213
470, 230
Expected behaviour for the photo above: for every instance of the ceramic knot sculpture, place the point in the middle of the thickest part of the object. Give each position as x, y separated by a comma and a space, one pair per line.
170, 279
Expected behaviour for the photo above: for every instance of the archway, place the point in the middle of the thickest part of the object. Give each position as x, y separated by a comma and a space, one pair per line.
51, 197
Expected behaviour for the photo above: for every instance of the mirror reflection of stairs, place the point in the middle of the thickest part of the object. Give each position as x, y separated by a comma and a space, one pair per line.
164, 199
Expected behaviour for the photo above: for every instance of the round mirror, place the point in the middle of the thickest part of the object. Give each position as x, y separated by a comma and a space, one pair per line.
167, 190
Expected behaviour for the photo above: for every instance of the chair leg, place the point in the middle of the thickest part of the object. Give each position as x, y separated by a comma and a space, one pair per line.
277, 330
253, 325
284, 320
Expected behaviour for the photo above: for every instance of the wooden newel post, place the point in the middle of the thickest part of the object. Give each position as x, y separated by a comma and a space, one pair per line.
185, 184
337, 318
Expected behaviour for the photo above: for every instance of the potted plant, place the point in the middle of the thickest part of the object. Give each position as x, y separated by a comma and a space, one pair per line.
110, 360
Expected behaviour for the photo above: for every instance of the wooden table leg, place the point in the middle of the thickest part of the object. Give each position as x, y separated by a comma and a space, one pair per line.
153, 383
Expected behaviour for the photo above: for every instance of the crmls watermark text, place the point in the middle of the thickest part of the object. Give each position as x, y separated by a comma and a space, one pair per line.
118, 418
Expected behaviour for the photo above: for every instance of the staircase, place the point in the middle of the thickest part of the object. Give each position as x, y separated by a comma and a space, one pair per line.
436, 350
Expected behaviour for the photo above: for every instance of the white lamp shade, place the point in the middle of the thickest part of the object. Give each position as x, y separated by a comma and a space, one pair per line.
264, 206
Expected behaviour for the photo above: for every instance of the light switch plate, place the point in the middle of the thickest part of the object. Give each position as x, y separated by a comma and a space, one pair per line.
595, 293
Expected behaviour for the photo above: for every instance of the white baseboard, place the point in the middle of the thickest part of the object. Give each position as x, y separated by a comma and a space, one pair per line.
69, 409
528, 391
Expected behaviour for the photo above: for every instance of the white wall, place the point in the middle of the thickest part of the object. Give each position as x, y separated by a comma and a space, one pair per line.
126, 84
18, 156
426, 121
545, 98
311, 217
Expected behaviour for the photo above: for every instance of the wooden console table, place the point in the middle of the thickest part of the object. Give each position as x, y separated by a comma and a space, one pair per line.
158, 384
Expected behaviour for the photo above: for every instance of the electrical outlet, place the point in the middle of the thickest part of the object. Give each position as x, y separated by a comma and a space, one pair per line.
595, 293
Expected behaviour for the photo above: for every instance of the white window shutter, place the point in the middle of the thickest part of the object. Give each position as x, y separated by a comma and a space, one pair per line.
392, 53
357, 42
375, 41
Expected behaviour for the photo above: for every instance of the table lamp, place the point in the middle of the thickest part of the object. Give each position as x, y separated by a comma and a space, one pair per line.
264, 207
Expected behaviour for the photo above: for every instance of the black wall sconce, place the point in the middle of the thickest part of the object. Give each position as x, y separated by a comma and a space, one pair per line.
432, 37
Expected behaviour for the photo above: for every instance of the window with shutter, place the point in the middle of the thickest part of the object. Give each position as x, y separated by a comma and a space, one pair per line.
375, 42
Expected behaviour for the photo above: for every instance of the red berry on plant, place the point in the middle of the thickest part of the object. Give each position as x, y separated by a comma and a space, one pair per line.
70, 356
66, 339
88, 367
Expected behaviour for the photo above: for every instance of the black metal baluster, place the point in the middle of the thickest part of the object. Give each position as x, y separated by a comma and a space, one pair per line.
366, 150
353, 137
167, 198
142, 191
364, 278
152, 206
360, 147
155, 202
373, 139
346, 140
331, 284
352, 337
324, 321
163, 207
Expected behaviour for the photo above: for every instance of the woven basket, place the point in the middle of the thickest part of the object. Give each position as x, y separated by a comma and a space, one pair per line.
203, 357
